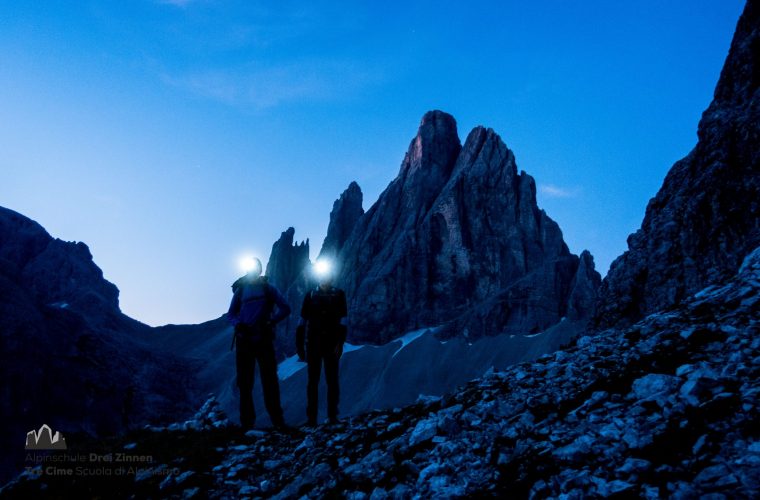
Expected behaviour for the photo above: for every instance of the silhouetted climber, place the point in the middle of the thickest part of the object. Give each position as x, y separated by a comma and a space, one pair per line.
251, 313
324, 336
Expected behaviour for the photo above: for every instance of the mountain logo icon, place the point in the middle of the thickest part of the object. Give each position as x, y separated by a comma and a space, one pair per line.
44, 439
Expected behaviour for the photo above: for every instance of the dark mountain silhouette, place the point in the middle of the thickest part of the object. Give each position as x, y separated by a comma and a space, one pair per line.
287, 260
706, 216
59, 273
346, 212
458, 240
68, 356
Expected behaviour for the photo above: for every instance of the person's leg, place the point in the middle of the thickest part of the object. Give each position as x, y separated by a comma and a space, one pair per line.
312, 390
269, 382
333, 389
245, 363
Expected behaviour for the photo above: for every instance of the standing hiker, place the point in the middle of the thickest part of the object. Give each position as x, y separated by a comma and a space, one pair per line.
323, 335
251, 313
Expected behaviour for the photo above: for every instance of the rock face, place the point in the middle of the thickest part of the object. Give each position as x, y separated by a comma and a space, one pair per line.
56, 272
706, 216
68, 357
583, 289
287, 260
457, 239
345, 213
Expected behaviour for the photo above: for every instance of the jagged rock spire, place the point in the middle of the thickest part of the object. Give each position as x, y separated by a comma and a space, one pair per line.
457, 231
705, 217
345, 213
287, 260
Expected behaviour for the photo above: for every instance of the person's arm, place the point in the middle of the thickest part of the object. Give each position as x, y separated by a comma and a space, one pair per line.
301, 329
234, 310
283, 309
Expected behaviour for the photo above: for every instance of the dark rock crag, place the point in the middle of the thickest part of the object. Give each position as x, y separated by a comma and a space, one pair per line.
289, 267
346, 211
287, 260
457, 239
706, 216
68, 356
57, 272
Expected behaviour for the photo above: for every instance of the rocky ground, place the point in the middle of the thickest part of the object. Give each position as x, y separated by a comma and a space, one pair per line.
665, 408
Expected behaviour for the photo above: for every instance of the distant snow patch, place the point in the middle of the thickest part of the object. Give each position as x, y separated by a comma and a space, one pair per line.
351, 347
410, 337
289, 367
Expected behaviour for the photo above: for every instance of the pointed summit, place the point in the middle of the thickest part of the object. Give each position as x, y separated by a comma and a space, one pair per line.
428, 162
345, 213
287, 260
435, 147
457, 230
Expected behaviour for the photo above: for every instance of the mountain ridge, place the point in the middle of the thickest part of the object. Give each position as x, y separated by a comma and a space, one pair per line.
446, 224
704, 218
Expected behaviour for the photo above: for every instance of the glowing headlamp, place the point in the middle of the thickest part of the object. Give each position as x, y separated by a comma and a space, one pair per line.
248, 263
322, 268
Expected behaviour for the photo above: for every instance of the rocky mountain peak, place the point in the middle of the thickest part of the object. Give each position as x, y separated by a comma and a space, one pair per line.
484, 147
457, 231
57, 272
584, 288
287, 260
345, 213
704, 219
426, 167
436, 141
20, 237
740, 76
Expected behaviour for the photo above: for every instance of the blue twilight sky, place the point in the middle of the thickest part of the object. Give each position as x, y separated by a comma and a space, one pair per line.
174, 136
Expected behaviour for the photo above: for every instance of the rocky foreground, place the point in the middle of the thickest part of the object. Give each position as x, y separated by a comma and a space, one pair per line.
667, 407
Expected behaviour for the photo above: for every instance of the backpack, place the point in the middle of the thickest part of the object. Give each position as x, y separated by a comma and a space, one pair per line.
254, 332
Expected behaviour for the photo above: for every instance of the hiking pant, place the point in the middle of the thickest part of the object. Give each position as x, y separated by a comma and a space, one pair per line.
316, 358
248, 352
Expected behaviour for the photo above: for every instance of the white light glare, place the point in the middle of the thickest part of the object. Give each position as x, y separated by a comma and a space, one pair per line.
247, 263
322, 268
